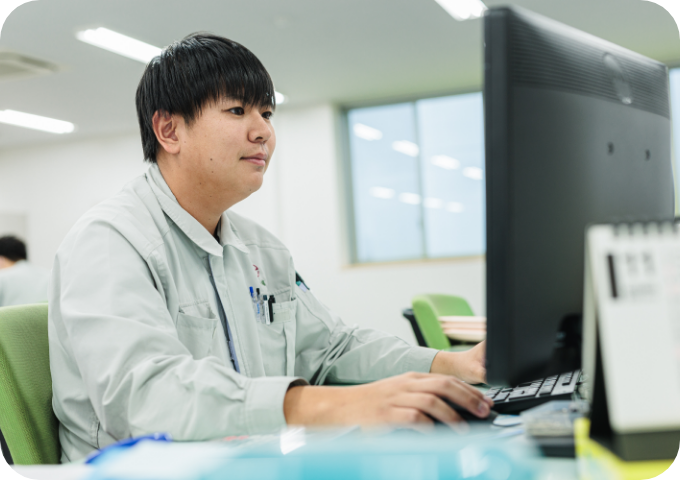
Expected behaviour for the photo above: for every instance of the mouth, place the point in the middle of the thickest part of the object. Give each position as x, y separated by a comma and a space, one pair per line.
258, 159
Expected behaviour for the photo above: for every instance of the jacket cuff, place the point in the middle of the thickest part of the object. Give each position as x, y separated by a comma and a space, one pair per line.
420, 359
264, 403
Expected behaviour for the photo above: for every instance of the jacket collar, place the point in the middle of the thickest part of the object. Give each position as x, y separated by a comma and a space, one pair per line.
188, 224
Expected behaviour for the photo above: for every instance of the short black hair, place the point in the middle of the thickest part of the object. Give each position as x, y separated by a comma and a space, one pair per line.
12, 248
200, 68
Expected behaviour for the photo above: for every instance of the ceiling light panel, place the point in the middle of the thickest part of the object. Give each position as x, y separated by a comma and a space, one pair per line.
410, 198
382, 192
36, 122
463, 10
455, 207
280, 98
474, 173
406, 147
445, 162
366, 132
118, 43
132, 48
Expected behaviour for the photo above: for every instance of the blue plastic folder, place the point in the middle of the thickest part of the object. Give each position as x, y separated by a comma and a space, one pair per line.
306, 456
118, 447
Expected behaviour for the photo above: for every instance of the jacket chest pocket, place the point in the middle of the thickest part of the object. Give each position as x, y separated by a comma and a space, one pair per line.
277, 340
196, 333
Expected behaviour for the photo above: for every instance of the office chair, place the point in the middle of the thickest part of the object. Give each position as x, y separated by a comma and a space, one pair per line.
27, 420
425, 317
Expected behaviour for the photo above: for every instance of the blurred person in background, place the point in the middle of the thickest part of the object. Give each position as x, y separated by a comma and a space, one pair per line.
20, 282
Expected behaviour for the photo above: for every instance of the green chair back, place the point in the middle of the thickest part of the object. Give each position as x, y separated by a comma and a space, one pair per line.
27, 420
427, 310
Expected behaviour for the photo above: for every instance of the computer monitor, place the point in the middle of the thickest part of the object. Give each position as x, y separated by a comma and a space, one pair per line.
577, 131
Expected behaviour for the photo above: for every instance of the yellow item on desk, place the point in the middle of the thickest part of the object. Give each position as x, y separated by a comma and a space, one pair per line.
595, 462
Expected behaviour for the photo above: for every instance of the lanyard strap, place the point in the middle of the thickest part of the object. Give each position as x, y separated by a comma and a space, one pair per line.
225, 324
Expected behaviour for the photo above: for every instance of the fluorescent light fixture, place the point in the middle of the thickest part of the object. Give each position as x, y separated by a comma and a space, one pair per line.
433, 203
463, 10
474, 173
455, 207
36, 122
132, 48
406, 147
445, 162
382, 192
410, 198
118, 43
366, 132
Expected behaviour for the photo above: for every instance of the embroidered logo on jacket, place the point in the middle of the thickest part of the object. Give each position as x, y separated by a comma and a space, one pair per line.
257, 270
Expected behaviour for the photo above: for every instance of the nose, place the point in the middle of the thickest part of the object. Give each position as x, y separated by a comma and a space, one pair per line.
260, 129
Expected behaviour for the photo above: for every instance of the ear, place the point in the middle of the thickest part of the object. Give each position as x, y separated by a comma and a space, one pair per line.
165, 128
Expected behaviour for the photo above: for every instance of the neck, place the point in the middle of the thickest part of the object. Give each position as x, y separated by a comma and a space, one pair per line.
6, 262
195, 195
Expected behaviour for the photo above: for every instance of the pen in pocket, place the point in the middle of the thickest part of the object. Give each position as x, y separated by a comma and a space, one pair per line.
256, 306
270, 308
265, 305
260, 313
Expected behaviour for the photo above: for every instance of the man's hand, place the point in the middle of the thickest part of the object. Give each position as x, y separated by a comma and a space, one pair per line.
411, 398
468, 366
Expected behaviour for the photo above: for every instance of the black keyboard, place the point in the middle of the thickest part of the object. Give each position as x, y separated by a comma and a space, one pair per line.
531, 394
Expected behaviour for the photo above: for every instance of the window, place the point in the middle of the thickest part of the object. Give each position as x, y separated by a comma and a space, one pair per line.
417, 173
675, 114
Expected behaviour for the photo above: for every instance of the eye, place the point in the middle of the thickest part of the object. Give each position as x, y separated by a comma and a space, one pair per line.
267, 115
237, 110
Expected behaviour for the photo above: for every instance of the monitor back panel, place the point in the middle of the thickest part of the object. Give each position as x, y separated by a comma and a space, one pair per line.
577, 131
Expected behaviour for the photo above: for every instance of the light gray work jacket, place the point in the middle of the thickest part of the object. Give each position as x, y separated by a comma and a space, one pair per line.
136, 341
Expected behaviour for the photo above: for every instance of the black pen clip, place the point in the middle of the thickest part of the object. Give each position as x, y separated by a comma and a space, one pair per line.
270, 304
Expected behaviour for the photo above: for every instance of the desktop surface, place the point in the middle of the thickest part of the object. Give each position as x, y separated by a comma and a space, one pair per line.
547, 469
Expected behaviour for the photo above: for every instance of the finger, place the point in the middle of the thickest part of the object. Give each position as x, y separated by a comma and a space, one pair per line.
443, 383
413, 419
435, 408
431, 405
457, 392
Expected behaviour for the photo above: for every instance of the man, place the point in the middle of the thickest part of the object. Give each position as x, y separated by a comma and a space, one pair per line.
20, 282
155, 320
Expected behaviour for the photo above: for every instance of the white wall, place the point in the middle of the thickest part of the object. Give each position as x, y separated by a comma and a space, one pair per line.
13, 224
53, 185
301, 202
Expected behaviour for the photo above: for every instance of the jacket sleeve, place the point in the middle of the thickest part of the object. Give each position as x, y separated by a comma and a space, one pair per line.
110, 313
330, 352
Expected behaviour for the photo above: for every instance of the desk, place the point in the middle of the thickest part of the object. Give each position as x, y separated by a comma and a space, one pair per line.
53, 472
464, 329
550, 469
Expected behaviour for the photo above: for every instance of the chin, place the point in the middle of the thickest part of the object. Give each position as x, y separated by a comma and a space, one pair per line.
255, 184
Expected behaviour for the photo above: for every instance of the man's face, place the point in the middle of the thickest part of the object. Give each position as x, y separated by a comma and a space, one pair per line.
228, 148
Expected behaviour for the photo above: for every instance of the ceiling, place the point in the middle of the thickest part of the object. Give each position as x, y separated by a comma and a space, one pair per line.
344, 52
